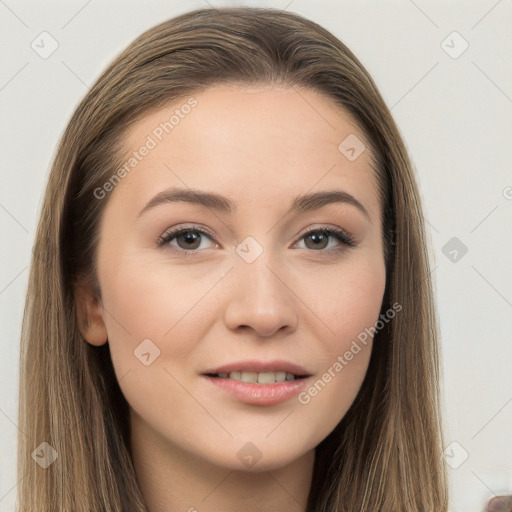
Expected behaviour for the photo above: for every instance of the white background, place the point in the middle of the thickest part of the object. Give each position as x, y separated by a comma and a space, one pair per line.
455, 115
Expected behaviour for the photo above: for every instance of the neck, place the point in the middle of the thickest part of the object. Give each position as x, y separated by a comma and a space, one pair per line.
173, 480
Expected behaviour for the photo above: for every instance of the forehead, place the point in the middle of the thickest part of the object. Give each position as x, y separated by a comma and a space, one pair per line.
253, 144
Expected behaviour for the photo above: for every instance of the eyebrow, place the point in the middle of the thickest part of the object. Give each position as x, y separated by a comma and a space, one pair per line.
303, 203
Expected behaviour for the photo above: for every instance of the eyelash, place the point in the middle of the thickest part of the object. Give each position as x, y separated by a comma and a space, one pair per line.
342, 236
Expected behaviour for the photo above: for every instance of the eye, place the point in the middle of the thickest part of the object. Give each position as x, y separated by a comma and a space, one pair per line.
187, 239
320, 236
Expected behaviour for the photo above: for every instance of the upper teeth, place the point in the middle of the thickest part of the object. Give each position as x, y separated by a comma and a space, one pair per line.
258, 378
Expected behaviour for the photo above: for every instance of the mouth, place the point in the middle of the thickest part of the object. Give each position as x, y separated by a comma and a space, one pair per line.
252, 377
260, 383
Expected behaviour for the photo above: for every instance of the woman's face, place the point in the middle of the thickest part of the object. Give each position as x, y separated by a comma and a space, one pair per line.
252, 289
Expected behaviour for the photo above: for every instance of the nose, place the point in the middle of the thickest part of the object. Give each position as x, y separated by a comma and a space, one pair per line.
260, 298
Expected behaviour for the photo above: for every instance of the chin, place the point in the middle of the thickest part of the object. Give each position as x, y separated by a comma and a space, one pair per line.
259, 457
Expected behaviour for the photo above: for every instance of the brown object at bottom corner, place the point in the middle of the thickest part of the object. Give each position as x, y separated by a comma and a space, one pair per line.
499, 504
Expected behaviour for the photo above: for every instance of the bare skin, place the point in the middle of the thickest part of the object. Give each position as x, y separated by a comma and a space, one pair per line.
302, 299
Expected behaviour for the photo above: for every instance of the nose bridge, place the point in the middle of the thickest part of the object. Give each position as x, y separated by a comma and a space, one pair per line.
259, 276
259, 298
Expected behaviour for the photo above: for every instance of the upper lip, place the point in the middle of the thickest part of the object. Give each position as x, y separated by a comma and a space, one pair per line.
260, 366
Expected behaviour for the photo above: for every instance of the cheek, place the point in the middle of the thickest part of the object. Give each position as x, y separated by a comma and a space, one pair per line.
151, 315
151, 301
346, 301
170, 307
350, 308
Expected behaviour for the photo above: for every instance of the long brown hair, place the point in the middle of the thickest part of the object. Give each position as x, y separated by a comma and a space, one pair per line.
386, 453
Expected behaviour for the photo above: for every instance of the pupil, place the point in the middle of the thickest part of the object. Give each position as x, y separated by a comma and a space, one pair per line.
318, 238
190, 237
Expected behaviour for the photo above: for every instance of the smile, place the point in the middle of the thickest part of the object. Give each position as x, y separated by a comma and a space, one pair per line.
256, 377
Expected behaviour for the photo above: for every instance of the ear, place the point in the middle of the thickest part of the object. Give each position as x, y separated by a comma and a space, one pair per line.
90, 314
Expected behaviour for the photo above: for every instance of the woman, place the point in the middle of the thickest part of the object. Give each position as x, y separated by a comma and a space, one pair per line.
257, 369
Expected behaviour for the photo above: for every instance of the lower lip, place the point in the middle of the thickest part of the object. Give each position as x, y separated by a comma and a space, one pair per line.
260, 394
